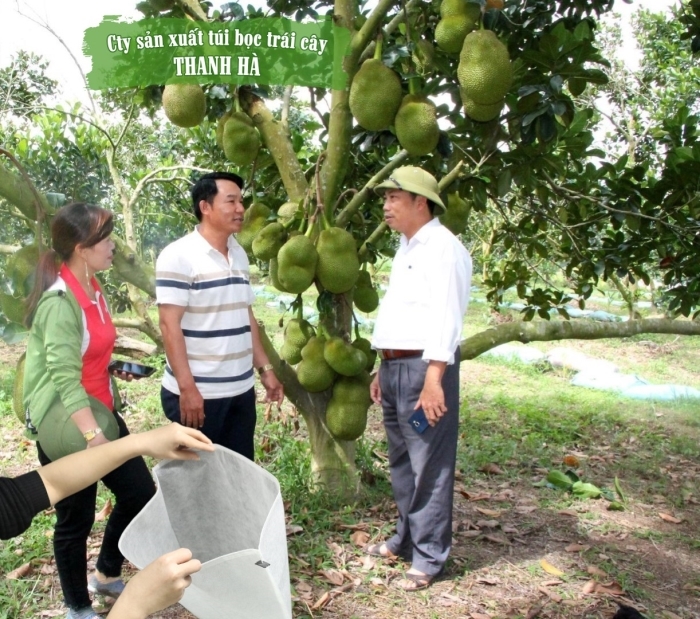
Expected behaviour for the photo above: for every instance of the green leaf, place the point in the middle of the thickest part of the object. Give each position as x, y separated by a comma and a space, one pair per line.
618, 490
559, 480
586, 490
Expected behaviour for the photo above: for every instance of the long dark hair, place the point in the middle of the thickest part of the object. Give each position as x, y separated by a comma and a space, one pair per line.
74, 224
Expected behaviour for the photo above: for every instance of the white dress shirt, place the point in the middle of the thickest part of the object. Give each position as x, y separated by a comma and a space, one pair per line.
428, 294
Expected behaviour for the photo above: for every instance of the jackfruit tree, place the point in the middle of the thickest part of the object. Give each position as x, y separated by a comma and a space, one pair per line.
505, 119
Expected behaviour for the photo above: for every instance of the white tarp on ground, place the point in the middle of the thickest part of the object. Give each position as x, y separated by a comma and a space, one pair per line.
228, 511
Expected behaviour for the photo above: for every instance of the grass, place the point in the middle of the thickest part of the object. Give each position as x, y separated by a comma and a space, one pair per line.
522, 418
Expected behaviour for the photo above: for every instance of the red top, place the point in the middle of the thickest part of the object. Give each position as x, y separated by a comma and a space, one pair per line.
100, 338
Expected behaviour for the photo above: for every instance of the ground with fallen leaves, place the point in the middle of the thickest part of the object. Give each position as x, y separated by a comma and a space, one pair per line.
519, 551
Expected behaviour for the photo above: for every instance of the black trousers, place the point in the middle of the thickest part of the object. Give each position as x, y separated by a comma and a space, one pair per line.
133, 487
227, 421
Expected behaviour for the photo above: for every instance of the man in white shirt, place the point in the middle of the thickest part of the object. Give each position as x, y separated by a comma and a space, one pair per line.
417, 335
209, 331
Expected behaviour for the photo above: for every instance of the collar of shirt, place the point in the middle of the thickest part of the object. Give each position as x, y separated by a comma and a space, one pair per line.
77, 289
422, 235
206, 246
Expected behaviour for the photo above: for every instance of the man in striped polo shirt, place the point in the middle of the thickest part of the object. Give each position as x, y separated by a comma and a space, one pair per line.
209, 331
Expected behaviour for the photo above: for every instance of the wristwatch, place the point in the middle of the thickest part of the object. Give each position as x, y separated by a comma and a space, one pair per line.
90, 434
264, 368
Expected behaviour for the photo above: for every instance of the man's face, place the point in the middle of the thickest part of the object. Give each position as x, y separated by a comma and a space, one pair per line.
226, 209
401, 211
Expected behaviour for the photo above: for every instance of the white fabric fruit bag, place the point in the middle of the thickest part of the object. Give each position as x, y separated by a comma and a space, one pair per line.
228, 511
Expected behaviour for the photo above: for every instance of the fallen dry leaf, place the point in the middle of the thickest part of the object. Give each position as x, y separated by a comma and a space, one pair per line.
488, 512
322, 601
293, 529
611, 588
550, 569
503, 495
497, 539
552, 583
20, 572
567, 512
576, 548
359, 538
360, 526
525, 509
480, 616
488, 580
104, 512
670, 615
555, 597
471, 533
376, 582
509, 528
488, 524
534, 611
332, 576
475, 496
669, 518
596, 571
491, 469
368, 563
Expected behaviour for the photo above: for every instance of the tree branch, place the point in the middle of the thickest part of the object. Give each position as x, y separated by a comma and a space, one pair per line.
8, 250
547, 331
149, 178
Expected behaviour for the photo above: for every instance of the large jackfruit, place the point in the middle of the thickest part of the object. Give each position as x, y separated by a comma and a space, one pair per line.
274, 275
241, 139
343, 357
457, 215
184, 104
287, 211
375, 95
297, 334
21, 267
416, 125
220, 129
313, 372
423, 56
254, 220
366, 347
451, 32
481, 113
365, 296
346, 413
13, 308
450, 8
338, 265
296, 264
269, 241
484, 72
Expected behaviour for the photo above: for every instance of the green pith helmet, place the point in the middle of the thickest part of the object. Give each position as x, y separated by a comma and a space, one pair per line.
59, 436
415, 180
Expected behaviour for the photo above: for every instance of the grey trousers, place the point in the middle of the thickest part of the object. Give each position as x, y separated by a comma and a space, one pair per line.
422, 466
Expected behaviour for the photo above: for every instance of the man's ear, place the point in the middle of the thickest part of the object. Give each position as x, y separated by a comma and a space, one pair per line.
204, 206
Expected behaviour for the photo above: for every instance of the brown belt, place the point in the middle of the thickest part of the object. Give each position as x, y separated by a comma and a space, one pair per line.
389, 353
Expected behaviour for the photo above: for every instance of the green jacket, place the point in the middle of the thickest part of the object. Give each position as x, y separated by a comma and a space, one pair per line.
54, 362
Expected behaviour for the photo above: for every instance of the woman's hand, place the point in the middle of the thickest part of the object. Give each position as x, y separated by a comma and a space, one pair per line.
128, 377
173, 441
159, 585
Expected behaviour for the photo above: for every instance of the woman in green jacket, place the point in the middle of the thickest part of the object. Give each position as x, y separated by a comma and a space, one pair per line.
69, 348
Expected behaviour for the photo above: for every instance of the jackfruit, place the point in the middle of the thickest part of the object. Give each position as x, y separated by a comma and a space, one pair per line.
346, 413
269, 241
241, 139
287, 211
343, 357
184, 104
457, 215
313, 372
338, 265
18, 389
423, 55
274, 275
365, 296
297, 262
484, 71
481, 113
254, 220
375, 95
449, 8
12, 307
297, 334
21, 267
366, 347
220, 129
416, 125
451, 32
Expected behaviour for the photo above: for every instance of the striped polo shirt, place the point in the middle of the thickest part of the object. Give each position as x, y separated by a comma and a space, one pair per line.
216, 325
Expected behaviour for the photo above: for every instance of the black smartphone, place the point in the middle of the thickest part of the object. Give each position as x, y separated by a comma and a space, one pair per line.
418, 421
135, 369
